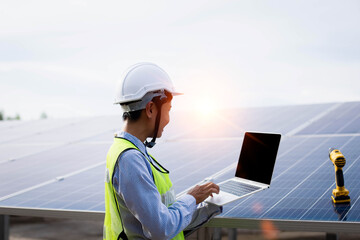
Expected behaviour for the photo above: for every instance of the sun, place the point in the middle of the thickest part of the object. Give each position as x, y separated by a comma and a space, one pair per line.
206, 107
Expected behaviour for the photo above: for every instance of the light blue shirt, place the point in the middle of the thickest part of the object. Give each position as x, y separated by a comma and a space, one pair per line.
143, 214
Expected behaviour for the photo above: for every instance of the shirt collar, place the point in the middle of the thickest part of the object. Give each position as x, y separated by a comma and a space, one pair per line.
140, 145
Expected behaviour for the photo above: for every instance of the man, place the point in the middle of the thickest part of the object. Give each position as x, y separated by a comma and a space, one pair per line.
139, 199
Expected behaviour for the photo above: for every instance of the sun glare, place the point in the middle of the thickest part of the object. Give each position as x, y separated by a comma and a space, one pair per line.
205, 107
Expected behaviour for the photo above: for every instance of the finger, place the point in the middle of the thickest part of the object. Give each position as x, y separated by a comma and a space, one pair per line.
207, 184
217, 188
213, 185
214, 190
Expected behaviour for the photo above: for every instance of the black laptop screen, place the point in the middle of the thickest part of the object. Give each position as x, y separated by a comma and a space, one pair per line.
257, 156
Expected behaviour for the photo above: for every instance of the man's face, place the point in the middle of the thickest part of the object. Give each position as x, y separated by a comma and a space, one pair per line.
165, 117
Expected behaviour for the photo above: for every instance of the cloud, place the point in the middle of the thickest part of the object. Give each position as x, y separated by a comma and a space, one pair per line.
242, 53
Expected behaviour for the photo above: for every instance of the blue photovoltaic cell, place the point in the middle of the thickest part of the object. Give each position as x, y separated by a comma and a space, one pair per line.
344, 119
11, 131
73, 132
230, 123
41, 167
233, 123
38, 136
302, 183
276, 119
102, 137
26, 138
83, 191
196, 148
5, 125
10, 151
190, 162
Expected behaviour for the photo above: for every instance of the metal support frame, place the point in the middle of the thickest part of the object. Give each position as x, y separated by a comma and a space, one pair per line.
232, 233
214, 225
286, 225
4, 227
331, 236
204, 233
217, 234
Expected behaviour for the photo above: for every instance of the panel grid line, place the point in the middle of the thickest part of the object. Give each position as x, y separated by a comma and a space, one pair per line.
314, 119
351, 207
302, 181
327, 190
56, 179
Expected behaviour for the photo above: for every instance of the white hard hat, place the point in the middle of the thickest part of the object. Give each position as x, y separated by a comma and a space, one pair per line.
138, 82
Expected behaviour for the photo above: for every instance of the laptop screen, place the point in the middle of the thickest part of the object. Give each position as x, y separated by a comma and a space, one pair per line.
257, 156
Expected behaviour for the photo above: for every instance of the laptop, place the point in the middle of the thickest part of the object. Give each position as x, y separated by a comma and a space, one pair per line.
254, 170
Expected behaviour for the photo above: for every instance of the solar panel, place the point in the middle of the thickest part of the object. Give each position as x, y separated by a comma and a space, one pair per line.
234, 122
46, 166
33, 137
192, 150
15, 130
72, 132
206, 158
87, 187
10, 151
83, 191
9, 124
344, 119
301, 187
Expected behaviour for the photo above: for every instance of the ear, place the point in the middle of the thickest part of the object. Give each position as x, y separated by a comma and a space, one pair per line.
150, 109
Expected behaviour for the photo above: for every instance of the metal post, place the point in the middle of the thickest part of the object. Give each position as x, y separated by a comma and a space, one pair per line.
4, 227
232, 234
217, 234
204, 233
331, 236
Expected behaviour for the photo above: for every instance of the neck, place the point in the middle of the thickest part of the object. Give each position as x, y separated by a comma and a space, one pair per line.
136, 129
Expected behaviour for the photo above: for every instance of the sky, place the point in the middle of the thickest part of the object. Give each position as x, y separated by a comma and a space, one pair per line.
65, 57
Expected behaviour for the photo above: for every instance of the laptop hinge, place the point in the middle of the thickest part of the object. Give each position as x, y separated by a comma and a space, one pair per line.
259, 184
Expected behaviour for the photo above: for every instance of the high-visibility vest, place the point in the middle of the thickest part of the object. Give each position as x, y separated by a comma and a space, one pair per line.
113, 227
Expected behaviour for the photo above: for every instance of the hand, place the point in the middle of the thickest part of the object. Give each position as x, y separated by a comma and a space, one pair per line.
202, 192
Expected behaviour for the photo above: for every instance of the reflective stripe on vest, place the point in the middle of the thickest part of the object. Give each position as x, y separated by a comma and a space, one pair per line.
113, 226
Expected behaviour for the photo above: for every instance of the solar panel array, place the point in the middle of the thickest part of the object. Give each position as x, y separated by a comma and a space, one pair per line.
57, 167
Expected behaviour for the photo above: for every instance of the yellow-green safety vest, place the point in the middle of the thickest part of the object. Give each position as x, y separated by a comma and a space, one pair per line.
113, 227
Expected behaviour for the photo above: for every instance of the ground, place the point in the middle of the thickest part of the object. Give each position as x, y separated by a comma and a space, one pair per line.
30, 228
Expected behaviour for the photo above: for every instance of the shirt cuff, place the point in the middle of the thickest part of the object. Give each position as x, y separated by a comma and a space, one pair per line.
189, 200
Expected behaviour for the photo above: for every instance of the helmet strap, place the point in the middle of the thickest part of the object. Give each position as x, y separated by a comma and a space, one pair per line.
157, 123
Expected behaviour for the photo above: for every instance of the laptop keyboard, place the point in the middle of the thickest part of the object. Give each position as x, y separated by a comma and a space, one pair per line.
237, 188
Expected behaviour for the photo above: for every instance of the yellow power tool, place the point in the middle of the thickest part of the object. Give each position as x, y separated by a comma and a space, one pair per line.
340, 193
